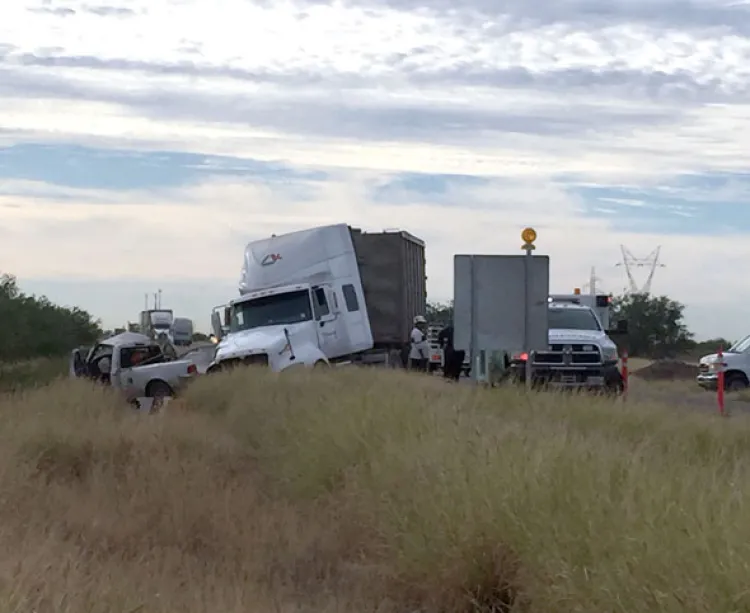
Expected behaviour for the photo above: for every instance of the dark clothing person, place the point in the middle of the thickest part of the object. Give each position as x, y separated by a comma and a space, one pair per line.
445, 337
452, 360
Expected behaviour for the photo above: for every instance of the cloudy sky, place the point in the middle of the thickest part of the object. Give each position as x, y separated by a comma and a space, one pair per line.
142, 144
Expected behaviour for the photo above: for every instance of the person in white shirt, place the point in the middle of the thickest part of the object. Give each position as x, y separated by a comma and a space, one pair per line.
420, 348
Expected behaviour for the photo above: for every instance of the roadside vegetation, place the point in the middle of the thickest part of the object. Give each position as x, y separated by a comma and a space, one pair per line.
356, 490
32, 327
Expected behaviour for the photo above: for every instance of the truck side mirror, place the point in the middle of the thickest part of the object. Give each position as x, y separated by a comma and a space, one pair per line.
216, 325
227, 316
622, 326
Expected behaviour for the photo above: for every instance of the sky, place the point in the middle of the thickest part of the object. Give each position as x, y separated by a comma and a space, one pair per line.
143, 144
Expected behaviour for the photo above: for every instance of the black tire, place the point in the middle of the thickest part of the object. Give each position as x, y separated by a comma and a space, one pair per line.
158, 390
735, 382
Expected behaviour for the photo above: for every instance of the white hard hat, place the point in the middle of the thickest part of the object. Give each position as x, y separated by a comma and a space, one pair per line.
419, 319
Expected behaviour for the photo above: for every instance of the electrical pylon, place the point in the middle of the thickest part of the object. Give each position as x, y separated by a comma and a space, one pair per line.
630, 262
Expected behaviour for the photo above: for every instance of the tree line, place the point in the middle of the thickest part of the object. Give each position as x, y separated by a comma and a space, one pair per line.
32, 327
656, 326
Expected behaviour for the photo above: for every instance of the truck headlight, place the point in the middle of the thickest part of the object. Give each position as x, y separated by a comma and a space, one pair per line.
609, 354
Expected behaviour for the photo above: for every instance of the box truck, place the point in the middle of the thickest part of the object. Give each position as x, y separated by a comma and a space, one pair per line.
322, 296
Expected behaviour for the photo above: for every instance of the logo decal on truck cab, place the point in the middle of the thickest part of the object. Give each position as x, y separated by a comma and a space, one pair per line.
271, 258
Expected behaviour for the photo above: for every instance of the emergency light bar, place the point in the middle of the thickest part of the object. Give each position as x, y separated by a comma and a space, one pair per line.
600, 300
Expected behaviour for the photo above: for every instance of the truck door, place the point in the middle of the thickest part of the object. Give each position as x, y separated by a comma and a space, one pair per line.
123, 376
332, 335
77, 364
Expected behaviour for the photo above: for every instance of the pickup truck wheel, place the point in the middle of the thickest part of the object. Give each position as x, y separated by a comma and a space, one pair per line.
735, 382
158, 390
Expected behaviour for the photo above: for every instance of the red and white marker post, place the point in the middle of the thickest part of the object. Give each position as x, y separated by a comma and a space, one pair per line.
720, 383
625, 374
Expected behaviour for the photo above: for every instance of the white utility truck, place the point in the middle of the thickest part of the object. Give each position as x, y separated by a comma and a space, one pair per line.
326, 295
580, 353
601, 304
735, 362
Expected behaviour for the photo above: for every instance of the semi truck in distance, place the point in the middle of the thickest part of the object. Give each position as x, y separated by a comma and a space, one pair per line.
326, 295
157, 322
182, 331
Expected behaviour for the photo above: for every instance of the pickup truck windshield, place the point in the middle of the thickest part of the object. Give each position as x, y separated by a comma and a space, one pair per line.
741, 346
289, 308
573, 319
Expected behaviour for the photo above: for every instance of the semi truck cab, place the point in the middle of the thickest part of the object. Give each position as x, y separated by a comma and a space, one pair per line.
279, 327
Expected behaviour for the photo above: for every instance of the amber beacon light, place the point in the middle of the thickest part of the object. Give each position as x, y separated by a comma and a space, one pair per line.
528, 236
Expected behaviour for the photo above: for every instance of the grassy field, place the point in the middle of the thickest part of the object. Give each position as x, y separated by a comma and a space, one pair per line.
27, 374
364, 491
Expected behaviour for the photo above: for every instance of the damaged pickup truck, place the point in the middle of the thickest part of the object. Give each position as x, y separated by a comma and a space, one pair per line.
135, 365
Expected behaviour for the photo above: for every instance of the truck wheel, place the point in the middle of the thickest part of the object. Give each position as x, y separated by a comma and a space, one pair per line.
735, 382
158, 390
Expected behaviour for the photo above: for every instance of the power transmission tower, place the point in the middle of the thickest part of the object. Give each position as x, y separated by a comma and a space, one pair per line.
593, 282
630, 262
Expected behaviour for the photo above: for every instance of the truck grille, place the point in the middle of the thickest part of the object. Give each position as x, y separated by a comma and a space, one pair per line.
258, 359
568, 355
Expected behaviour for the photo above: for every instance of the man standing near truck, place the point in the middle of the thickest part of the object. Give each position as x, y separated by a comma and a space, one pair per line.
452, 360
420, 348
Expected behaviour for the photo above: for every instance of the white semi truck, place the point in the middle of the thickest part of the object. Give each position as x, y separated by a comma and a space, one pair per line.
156, 323
182, 331
321, 296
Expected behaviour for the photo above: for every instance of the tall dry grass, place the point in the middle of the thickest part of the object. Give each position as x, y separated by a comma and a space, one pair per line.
24, 374
367, 491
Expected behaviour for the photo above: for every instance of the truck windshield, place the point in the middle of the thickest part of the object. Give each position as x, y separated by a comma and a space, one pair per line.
288, 308
573, 319
740, 346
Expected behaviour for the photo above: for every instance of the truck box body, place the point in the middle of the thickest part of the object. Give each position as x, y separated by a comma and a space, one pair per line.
390, 265
392, 269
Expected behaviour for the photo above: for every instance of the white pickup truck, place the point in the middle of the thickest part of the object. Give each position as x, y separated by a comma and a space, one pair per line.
580, 353
134, 364
735, 363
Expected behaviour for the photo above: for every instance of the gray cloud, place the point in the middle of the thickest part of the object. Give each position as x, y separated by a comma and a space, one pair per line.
333, 117
60, 11
101, 10
678, 87
108, 11
674, 14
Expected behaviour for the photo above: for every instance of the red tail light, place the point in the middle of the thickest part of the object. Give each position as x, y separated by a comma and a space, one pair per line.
521, 356
192, 369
